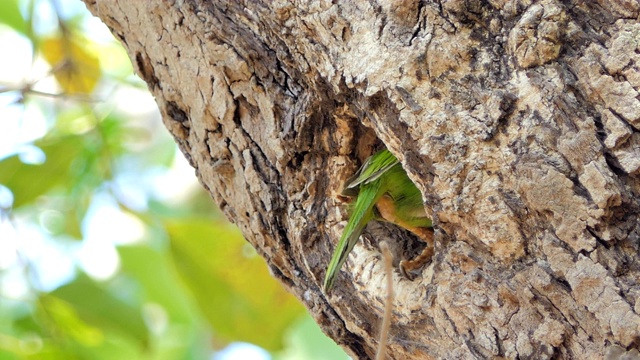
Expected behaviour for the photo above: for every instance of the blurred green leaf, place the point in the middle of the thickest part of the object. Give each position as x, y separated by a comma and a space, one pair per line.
57, 330
73, 221
306, 341
98, 307
67, 322
168, 308
27, 182
231, 283
11, 16
76, 120
159, 284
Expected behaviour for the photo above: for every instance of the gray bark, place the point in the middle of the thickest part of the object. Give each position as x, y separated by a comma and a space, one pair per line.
518, 120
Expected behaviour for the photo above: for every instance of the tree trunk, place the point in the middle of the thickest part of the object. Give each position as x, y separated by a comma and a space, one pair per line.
517, 119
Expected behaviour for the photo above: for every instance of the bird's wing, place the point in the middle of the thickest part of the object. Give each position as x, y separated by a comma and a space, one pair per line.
376, 165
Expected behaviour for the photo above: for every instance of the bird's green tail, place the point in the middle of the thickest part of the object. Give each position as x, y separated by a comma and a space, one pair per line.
340, 256
362, 213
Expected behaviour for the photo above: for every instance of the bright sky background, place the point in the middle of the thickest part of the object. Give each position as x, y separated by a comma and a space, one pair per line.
105, 226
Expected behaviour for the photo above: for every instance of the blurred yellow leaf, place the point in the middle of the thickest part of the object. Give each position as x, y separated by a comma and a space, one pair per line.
75, 68
232, 284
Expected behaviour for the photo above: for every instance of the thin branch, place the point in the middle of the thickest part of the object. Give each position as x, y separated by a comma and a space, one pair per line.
64, 96
27, 90
388, 307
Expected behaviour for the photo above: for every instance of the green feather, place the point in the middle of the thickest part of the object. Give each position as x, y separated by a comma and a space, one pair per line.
380, 175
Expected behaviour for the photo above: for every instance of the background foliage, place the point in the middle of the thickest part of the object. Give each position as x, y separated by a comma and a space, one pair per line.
108, 247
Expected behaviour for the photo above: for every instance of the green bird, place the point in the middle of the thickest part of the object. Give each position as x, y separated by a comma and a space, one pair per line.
383, 191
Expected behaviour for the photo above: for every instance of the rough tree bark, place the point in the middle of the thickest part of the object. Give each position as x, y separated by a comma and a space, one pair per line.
518, 119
